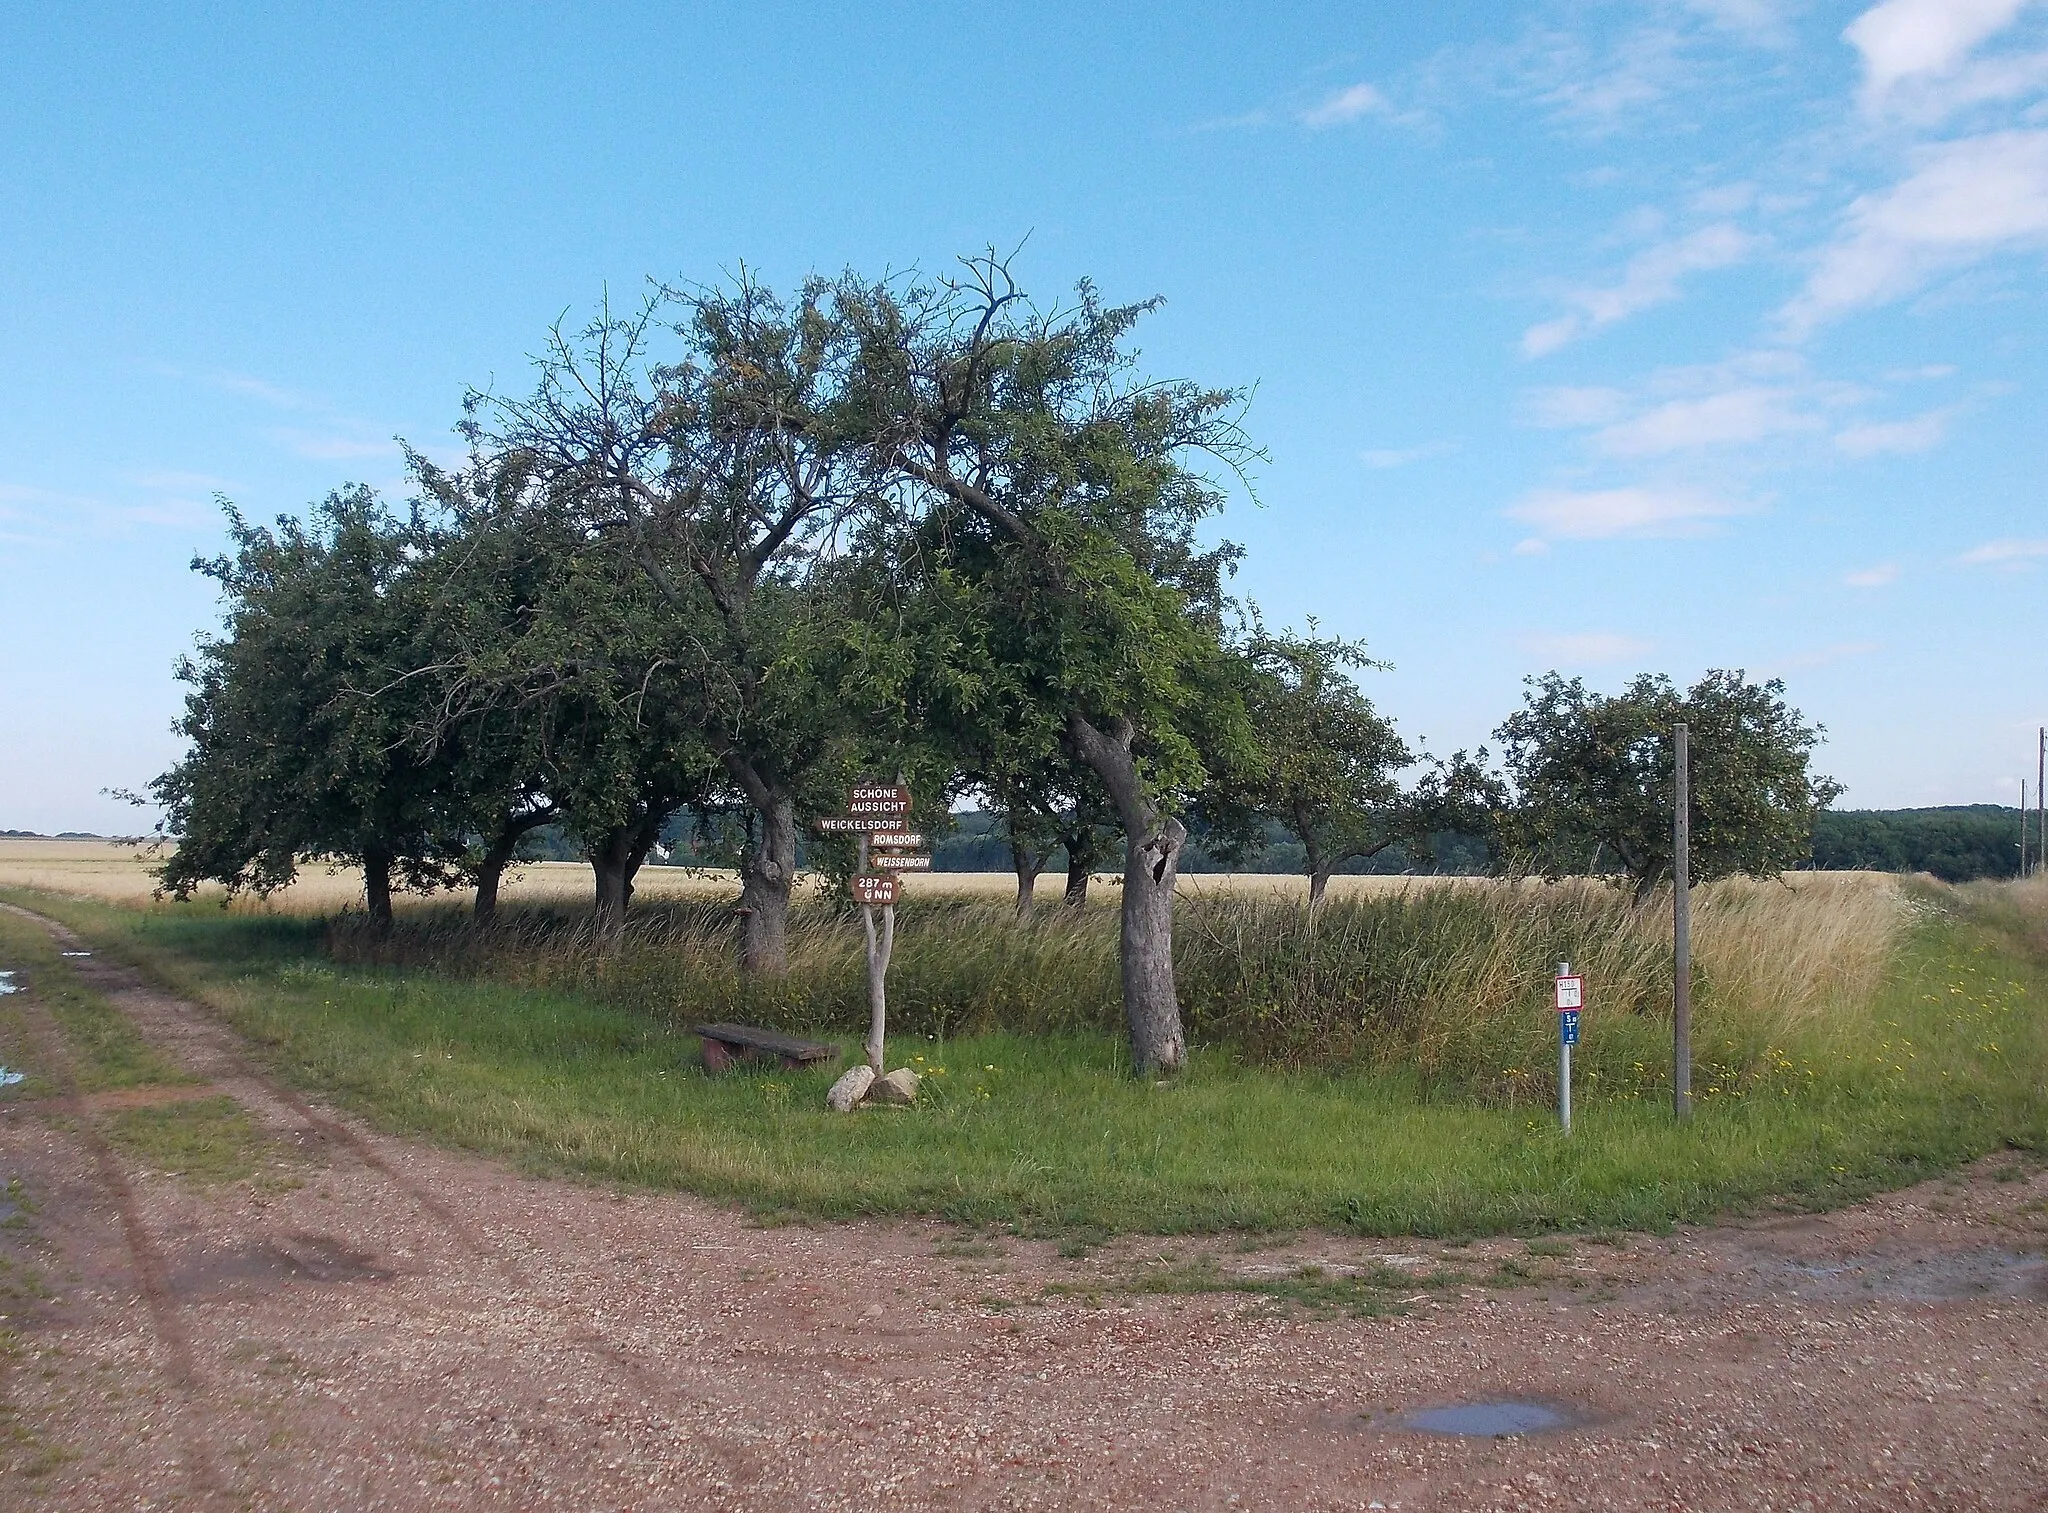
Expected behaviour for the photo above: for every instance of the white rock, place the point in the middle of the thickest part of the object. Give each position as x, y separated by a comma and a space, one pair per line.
852, 1086
900, 1086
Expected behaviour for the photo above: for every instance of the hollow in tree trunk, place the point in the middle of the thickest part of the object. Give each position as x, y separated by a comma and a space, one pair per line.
767, 873
1152, 847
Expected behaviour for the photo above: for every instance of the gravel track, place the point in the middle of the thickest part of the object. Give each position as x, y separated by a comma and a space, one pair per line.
378, 1324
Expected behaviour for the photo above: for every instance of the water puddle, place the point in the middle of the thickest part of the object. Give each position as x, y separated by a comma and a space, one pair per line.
74, 953
1489, 1420
7, 983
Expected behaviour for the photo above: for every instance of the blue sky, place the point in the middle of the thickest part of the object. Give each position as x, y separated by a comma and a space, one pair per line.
1607, 337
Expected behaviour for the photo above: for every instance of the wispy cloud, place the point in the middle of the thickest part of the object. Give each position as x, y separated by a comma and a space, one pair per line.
326, 447
1732, 417
1921, 433
1652, 277
1966, 200
1585, 648
1918, 55
175, 480
2010, 553
1642, 513
1345, 106
1573, 408
1881, 576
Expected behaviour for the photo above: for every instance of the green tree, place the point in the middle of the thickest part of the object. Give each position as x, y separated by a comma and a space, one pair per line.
1593, 777
1057, 508
299, 749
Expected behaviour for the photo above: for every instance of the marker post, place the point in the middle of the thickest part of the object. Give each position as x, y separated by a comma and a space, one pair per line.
1571, 992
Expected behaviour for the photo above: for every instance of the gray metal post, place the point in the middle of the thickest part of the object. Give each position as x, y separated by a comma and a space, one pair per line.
1564, 1067
1681, 928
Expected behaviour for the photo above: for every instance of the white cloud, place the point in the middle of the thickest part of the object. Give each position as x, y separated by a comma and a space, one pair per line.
1345, 106
1605, 514
1920, 434
1398, 457
1651, 278
1755, 20
1901, 40
175, 479
329, 448
1881, 576
2008, 553
1732, 417
1966, 200
1569, 409
1584, 648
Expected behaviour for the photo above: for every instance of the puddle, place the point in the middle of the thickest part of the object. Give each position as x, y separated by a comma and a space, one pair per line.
74, 953
1489, 1420
7, 983
282, 1259
1935, 1277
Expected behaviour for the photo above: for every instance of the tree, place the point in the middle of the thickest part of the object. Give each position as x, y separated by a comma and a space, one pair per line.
704, 477
1057, 509
1593, 777
294, 753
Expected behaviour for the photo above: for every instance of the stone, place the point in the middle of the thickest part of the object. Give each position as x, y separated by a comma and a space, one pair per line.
899, 1087
852, 1086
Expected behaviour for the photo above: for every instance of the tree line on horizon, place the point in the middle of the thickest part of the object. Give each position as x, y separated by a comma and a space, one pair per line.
734, 552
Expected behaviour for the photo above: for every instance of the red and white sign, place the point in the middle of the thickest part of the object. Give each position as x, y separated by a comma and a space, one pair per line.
1571, 992
874, 890
897, 861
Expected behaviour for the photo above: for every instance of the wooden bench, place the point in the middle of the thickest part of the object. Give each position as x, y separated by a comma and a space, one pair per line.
726, 1045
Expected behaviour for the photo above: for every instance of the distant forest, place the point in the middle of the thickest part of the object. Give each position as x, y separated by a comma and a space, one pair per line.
1956, 844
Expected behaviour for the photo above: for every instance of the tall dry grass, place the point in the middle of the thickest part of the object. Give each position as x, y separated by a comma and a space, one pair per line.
1450, 981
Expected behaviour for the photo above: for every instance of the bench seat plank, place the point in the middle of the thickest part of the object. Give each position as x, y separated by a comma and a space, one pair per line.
726, 1043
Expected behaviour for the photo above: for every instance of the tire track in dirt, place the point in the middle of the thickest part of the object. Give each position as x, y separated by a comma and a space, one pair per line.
211, 1049
146, 1260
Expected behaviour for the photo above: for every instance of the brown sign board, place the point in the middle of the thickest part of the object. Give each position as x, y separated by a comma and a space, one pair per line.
878, 798
839, 823
897, 840
874, 890
897, 861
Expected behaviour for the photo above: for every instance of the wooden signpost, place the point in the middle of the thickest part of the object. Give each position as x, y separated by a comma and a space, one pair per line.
875, 813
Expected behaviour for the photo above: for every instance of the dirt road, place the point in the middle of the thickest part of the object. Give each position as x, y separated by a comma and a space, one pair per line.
373, 1324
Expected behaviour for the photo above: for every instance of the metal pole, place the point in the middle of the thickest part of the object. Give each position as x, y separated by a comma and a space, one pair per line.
1681, 928
1564, 1067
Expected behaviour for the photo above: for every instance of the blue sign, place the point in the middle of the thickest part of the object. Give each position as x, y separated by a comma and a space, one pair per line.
1568, 1026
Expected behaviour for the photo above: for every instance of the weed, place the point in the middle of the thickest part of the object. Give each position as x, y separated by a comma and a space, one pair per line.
206, 1141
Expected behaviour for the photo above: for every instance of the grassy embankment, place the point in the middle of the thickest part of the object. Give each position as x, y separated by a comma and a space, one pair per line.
1388, 1070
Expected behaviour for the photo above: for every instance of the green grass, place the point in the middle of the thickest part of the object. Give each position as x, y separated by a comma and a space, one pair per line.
1046, 1133
107, 1051
206, 1141
1374, 1292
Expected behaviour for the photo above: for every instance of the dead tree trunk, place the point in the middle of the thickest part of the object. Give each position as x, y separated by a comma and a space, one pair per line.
1152, 847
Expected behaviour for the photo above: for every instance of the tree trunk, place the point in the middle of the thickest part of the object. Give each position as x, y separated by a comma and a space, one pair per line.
1152, 847
1027, 864
767, 873
490, 872
1082, 855
1318, 880
377, 886
616, 858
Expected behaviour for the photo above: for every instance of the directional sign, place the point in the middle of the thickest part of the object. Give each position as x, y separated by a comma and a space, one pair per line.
897, 840
878, 798
1568, 1026
874, 890
897, 861
1570, 993
838, 823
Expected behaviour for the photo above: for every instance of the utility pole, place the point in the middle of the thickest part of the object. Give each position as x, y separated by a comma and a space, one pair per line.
2023, 828
2040, 794
1681, 927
